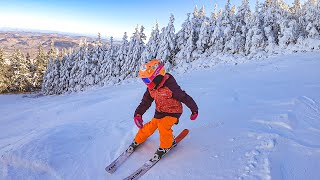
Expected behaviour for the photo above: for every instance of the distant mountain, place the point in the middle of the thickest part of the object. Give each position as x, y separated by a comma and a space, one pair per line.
39, 31
28, 40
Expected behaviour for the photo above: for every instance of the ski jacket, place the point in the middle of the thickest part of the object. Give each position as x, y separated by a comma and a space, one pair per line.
168, 97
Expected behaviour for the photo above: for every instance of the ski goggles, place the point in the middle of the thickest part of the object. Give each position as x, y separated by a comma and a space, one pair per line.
146, 80
149, 83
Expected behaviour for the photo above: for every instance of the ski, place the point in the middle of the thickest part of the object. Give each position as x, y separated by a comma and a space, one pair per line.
151, 162
120, 160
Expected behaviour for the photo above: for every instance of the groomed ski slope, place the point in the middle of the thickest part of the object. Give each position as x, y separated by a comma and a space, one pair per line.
257, 120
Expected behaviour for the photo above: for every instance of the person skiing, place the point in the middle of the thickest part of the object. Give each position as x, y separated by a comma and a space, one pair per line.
168, 96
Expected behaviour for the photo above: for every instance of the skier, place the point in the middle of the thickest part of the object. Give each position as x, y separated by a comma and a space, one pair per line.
168, 96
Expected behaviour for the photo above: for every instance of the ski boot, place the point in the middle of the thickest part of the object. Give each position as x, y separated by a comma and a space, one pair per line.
174, 143
160, 153
163, 151
132, 146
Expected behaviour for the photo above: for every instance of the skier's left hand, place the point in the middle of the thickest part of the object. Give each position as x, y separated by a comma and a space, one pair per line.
194, 116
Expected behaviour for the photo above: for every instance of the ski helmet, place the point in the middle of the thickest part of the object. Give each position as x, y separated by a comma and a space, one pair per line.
150, 70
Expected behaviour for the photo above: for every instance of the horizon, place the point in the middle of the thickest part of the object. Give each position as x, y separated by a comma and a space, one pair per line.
111, 18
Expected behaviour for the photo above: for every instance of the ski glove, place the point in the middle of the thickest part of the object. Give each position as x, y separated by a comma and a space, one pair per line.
194, 115
138, 121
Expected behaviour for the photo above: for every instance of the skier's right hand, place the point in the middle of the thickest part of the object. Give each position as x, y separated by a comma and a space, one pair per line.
138, 121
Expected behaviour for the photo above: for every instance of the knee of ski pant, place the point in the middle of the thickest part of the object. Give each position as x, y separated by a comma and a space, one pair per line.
167, 122
146, 131
166, 135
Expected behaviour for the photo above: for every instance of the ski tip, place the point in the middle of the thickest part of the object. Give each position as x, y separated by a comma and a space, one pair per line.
183, 134
185, 131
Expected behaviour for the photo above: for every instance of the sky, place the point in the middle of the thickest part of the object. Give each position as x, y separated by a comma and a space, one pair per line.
109, 17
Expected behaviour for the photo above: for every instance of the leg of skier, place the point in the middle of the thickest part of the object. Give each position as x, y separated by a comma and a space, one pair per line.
166, 135
143, 133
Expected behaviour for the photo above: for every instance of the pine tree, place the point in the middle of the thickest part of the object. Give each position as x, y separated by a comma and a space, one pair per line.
87, 67
47, 85
204, 38
242, 19
216, 38
181, 39
227, 27
136, 47
212, 25
52, 52
296, 7
152, 47
81, 67
166, 51
122, 57
311, 19
41, 63
273, 12
255, 40
3, 73
18, 73
198, 19
51, 80
195, 12
99, 41
109, 64
31, 66
289, 27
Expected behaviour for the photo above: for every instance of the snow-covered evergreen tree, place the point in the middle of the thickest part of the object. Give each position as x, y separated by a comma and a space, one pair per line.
273, 12
122, 57
182, 38
311, 16
288, 31
216, 39
52, 51
204, 38
18, 72
255, 39
191, 43
3, 73
227, 28
136, 47
108, 66
152, 47
166, 51
41, 62
197, 21
242, 19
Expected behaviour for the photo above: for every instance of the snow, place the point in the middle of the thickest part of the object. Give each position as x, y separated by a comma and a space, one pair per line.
257, 120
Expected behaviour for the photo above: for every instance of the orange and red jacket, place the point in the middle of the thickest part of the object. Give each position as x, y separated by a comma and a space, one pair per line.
168, 97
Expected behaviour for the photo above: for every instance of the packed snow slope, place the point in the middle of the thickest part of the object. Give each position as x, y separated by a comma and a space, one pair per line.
257, 120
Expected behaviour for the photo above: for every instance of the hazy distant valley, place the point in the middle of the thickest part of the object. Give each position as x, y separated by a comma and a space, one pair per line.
28, 42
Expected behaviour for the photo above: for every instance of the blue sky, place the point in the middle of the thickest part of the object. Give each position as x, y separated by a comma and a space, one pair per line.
110, 17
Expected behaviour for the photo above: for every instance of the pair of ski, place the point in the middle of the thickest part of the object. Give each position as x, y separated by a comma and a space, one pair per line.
146, 166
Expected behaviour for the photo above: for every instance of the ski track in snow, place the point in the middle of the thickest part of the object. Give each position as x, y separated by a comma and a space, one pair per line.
258, 120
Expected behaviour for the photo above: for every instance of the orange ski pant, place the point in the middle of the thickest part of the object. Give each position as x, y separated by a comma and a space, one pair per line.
164, 126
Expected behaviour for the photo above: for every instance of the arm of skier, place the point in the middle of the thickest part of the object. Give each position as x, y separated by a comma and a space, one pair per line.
182, 96
144, 104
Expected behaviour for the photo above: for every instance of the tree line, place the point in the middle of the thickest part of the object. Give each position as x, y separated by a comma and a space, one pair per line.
232, 30
20, 73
